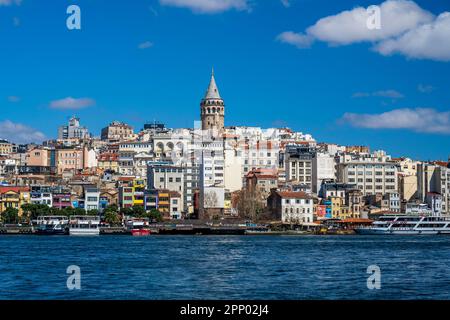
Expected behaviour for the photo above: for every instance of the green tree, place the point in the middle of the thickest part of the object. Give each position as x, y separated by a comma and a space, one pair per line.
111, 216
138, 211
33, 211
155, 215
93, 212
10, 215
126, 211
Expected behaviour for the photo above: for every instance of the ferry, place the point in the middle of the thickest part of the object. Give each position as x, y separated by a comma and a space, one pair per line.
407, 225
84, 225
52, 225
138, 226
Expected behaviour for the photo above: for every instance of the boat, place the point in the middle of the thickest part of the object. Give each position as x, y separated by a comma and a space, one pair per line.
138, 227
407, 225
51, 225
84, 225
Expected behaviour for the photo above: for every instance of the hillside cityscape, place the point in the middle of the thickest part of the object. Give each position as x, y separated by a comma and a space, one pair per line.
213, 172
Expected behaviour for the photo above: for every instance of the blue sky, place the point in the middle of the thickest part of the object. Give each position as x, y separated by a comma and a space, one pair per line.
275, 65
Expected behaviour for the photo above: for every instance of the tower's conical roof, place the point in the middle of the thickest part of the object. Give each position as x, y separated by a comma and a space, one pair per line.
213, 91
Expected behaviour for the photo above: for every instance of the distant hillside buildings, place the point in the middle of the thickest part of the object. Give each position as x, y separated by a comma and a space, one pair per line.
215, 171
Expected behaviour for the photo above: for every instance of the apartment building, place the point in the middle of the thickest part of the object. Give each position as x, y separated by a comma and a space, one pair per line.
370, 177
291, 207
117, 131
298, 164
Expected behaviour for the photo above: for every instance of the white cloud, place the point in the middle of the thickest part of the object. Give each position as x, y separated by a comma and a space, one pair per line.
10, 2
394, 94
426, 120
19, 133
405, 29
145, 45
397, 17
429, 41
70, 103
297, 39
208, 6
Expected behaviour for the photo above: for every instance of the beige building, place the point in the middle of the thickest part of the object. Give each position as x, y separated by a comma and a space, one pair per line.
407, 178
108, 161
370, 177
38, 157
70, 159
5, 147
117, 132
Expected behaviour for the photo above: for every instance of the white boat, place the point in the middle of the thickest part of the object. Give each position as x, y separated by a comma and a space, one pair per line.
84, 225
407, 225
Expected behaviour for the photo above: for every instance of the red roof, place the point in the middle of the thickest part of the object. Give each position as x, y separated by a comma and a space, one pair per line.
126, 178
14, 189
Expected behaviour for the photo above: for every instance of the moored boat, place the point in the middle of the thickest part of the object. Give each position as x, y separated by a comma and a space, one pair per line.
407, 225
138, 227
51, 225
84, 225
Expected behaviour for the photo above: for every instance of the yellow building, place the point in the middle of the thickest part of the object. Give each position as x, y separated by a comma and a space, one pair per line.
164, 202
339, 210
14, 197
138, 192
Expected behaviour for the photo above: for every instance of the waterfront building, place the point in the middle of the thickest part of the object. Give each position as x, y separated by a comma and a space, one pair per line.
291, 207
176, 205
132, 193
434, 202
91, 199
108, 197
166, 176
126, 196
61, 200
14, 197
42, 196
354, 201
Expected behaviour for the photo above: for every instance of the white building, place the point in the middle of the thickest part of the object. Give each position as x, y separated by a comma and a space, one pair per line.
291, 207
323, 169
91, 199
370, 177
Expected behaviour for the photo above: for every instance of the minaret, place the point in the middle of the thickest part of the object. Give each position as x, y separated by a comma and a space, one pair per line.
212, 107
